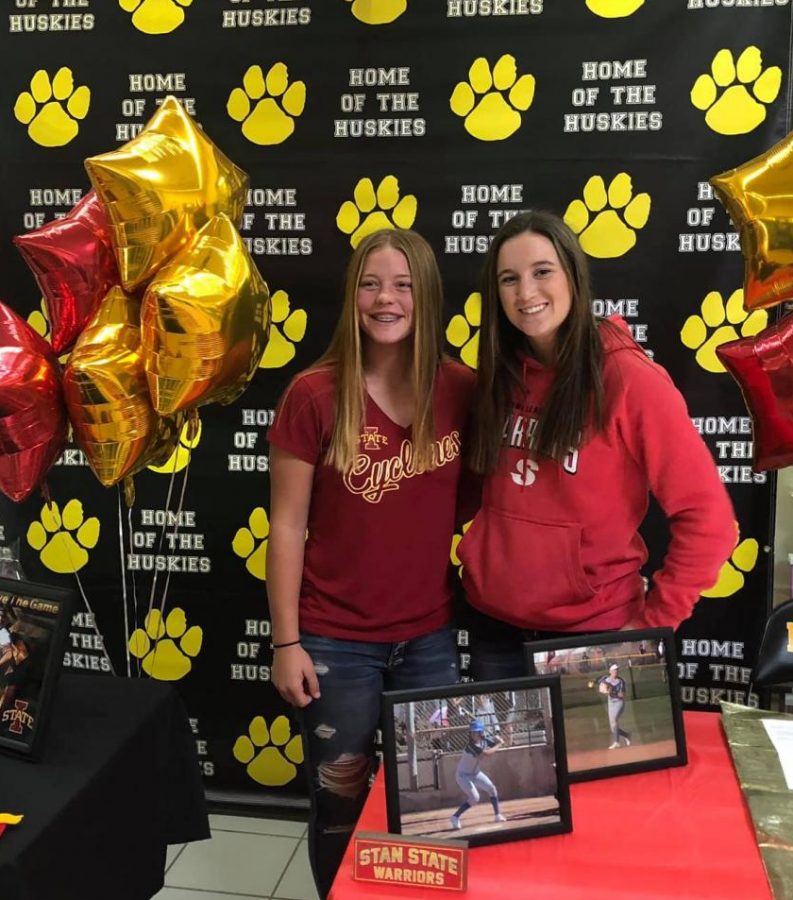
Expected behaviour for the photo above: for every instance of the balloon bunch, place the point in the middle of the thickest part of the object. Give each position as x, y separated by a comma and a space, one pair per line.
758, 195
149, 285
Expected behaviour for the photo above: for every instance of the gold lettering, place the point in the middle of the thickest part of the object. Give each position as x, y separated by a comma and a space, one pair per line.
43, 606
372, 479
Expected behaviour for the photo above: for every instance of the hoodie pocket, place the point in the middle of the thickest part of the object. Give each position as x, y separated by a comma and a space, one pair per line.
525, 571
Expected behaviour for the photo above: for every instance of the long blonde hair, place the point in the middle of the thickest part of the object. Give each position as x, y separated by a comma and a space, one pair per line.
344, 353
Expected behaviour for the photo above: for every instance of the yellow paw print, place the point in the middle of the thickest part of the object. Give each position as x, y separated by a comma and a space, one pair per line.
41, 108
40, 323
402, 212
189, 437
279, 754
166, 647
736, 111
455, 544
64, 540
612, 232
155, 16
245, 543
286, 329
614, 9
731, 580
463, 330
724, 318
277, 104
489, 116
378, 12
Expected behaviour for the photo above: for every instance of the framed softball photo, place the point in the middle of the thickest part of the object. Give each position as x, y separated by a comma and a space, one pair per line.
621, 700
34, 621
483, 762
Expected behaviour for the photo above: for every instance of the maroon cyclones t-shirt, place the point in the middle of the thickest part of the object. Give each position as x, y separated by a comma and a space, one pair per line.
376, 562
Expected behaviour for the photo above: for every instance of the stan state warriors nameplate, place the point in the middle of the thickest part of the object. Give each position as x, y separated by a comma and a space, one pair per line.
389, 859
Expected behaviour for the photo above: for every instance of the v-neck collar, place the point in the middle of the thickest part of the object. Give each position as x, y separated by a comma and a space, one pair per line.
383, 413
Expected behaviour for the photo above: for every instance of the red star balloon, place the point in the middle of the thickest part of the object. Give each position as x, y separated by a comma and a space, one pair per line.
32, 413
758, 196
763, 367
75, 266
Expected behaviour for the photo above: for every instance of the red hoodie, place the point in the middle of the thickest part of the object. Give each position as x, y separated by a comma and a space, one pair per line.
555, 547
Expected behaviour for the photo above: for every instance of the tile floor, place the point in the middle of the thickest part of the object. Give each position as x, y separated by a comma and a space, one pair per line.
246, 857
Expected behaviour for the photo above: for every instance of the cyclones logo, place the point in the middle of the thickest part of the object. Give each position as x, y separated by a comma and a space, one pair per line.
372, 478
371, 439
18, 718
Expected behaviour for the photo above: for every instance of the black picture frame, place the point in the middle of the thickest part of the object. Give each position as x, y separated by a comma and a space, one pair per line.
530, 774
34, 623
651, 715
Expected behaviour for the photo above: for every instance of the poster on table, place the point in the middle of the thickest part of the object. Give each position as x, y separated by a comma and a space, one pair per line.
34, 622
455, 769
621, 700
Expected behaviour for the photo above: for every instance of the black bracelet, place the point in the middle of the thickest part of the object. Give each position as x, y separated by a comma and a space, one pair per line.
278, 646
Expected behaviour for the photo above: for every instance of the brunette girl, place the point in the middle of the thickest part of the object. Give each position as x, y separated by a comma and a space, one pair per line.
573, 428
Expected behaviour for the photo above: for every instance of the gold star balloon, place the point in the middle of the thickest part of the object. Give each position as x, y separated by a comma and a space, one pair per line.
205, 321
160, 188
758, 195
107, 395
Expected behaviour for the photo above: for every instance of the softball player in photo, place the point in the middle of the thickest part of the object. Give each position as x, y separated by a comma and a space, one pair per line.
469, 776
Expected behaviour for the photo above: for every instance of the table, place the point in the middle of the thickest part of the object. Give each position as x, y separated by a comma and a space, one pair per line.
673, 834
118, 780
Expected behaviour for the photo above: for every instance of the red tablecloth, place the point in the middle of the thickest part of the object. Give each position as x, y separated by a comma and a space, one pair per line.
676, 834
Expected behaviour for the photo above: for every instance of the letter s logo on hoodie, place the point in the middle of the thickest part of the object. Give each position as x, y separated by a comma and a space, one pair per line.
524, 472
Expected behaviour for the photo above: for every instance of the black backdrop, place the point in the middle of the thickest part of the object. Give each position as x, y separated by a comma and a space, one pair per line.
613, 83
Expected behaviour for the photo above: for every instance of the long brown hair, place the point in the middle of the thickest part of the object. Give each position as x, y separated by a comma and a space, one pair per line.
344, 353
575, 401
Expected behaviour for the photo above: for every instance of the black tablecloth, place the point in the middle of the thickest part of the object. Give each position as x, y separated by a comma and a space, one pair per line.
118, 780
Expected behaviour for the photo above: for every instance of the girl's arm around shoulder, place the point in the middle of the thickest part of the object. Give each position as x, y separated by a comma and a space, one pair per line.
657, 432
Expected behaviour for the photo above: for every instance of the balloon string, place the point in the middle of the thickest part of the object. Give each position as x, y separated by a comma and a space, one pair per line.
176, 529
162, 538
134, 586
123, 582
96, 626
85, 600
168, 575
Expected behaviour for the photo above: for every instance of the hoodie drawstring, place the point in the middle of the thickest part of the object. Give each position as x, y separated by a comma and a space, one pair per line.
524, 412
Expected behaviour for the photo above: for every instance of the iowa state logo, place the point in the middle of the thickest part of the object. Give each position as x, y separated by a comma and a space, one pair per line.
18, 718
371, 439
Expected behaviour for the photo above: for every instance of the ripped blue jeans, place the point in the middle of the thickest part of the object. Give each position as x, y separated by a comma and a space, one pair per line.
339, 729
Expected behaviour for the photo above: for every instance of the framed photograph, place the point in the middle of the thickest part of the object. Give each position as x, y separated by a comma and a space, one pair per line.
34, 622
480, 762
621, 700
